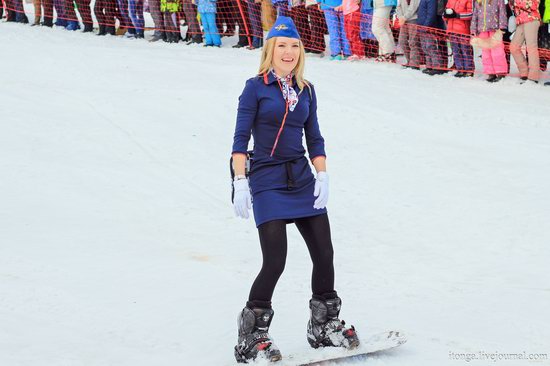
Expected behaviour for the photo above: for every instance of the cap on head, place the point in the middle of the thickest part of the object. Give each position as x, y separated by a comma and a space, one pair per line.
283, 27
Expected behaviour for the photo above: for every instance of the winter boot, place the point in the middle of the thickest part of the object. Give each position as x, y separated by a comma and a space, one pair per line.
88, 27
157, 36
254, 340
325, 329
10, 16
72, 25
195, 38
110, 30
48, 22
60, 22
101, 30
243, 42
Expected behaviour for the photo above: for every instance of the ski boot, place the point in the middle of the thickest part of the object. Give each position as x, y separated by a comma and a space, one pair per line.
254, 340
324, 329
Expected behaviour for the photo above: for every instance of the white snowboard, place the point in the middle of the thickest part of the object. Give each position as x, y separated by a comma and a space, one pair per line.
376, 343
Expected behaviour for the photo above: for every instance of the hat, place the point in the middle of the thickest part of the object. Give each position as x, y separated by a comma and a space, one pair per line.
283, 27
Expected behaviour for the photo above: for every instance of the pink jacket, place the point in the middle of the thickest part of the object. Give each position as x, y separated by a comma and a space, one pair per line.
525, 10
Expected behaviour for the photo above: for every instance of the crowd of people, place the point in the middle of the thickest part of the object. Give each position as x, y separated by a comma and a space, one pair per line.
427, 31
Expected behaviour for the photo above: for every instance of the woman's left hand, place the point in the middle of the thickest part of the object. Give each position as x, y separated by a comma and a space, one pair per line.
321, 190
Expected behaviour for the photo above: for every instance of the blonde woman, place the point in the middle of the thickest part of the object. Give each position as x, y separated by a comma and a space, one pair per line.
277, 107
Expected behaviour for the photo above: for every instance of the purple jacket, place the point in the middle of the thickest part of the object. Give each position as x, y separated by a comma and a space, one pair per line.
489, 15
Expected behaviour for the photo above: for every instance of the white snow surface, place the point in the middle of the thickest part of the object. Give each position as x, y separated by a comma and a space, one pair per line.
118, 242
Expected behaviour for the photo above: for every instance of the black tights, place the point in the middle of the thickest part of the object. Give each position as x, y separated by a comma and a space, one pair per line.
316, 232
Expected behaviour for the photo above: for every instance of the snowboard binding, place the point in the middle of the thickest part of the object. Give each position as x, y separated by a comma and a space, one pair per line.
324, 329
254, 340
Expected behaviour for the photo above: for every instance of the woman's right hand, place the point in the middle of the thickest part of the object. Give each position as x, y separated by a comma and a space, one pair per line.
242, 201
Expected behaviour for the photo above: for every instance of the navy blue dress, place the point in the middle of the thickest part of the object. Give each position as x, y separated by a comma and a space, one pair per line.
282, 185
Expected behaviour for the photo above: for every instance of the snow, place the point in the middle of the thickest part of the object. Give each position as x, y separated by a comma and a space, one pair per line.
118, 243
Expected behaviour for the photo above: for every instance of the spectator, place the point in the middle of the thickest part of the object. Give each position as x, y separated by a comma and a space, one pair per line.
431, 37
169, 9
59, 6
225, 14
254, 12
369, 40
282, 7
528, 23
136, 16
104, 11
123, 16
407, 13
193, 27
16, 11
318, 27
352, 23
339, 45
458, 14
243, 21
207, 11
158, 19
47, 6
544, 35
382, 31
83, 7
489, 16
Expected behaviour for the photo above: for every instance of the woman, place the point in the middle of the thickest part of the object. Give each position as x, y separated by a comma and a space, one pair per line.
276, 107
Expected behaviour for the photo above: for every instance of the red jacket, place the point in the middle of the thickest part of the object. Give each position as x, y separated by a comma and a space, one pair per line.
464, 10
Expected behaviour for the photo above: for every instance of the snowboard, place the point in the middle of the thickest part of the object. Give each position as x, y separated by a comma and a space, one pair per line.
373, 344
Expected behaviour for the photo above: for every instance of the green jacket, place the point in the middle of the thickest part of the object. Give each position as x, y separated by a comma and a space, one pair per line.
546, 15
171, 6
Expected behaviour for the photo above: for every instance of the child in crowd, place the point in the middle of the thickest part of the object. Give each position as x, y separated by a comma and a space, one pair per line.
528, 23
339, 44
369, 40
458, 14
104, 11
318, 27
489, 16
207, 10
432, 37
136, 16
352, 22
382, 30
47, 6
544, 35
169, 9
407, 13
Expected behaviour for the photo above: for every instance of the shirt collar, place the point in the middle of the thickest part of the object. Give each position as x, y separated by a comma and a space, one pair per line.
272, 79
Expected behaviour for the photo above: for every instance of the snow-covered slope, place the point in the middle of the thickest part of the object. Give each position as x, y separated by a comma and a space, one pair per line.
118, 244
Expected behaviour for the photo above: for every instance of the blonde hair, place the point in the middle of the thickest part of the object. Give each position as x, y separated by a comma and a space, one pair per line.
266, 62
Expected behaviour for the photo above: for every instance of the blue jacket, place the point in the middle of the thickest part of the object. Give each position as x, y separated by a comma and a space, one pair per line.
427, 15
329, 4
206, 6
260, 114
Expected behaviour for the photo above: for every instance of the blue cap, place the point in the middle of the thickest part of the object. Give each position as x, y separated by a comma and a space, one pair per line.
283, 27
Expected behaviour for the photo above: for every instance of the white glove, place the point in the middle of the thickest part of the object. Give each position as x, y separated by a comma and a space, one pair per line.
242, 202
321, 190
